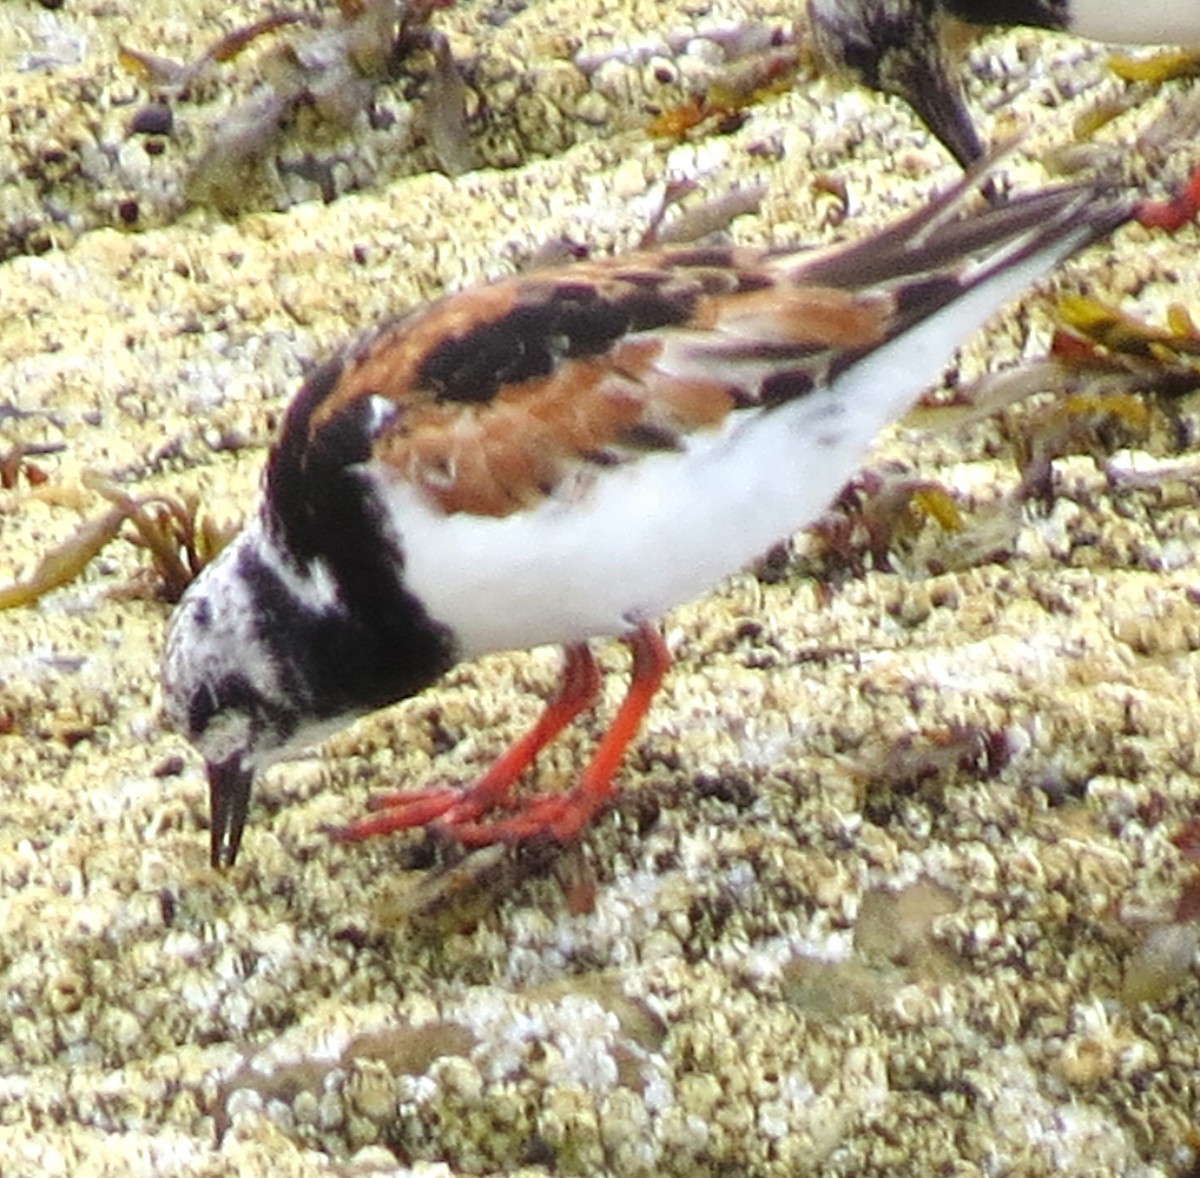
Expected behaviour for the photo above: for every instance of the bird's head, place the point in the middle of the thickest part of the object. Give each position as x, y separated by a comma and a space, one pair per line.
222, 689
896, 47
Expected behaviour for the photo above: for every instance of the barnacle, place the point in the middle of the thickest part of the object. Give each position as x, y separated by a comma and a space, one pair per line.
330, 67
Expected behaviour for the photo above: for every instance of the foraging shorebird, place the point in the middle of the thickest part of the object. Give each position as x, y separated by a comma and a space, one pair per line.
561, 456
898, 47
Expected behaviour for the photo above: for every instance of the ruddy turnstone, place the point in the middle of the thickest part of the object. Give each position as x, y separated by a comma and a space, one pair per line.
898, 46
564, 455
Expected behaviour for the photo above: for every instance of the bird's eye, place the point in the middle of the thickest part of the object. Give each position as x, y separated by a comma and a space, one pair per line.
201, 709
233, 693
862, 58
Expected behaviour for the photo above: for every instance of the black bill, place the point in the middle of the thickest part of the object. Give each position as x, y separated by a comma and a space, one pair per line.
229, 801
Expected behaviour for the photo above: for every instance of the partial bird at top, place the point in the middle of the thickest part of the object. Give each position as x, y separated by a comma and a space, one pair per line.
898, 47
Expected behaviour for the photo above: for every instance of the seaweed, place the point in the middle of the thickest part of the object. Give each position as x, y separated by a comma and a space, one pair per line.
722, 106
178, 535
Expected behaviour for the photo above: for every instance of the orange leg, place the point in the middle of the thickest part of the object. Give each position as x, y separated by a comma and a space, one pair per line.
578, 687
563, 816
557, 816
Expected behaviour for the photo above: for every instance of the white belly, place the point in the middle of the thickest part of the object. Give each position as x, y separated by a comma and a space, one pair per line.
638, 540
664, 529
1154, 22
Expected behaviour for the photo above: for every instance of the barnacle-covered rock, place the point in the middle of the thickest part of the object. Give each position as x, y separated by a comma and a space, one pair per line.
902, 872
